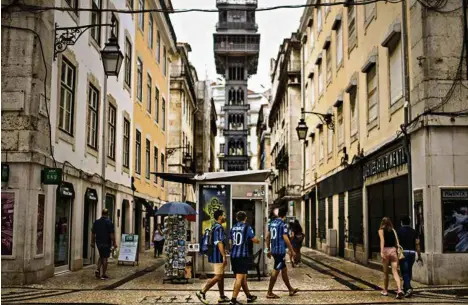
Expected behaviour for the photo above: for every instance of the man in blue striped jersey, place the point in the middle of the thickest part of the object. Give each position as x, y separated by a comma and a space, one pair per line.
217, 258
279, 239
239, 237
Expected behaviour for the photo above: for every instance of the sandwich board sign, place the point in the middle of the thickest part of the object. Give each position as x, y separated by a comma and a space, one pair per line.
128, 249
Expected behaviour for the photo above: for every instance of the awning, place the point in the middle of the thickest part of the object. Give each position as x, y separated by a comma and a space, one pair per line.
239, 176
146, 203
91, 194
186, 178
66, 190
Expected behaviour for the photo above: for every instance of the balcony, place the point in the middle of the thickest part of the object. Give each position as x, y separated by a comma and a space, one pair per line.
294, 66
237, 107
236, 133
241, 47
235, 157
236, 2
236, 26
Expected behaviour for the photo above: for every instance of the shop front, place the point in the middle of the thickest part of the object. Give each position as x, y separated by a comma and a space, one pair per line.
385, 176
89, 216
63, 226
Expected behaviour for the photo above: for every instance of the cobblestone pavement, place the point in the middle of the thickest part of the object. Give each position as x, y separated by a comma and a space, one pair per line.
322, 280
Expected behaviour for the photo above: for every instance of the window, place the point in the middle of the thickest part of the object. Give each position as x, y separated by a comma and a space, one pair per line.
352, 35
329, 65
340, 130
372, 98
353, 111
321, 148
319, 20
312, 153
312, 38
147, 159
112, 122
329, 141
67, 96
163, 114
126, 144
158, 46
396, 73
369, 12
156, 104
339, 46
312, 93
164, 61
141, 16
155, 161
320, 80
150, 31
327, 7
96, 19
138, 152
128, 62
149, 96
162, 168
139, 79
93, 118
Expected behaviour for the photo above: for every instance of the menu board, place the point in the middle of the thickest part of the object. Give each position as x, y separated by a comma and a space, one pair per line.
8, 212
128, 248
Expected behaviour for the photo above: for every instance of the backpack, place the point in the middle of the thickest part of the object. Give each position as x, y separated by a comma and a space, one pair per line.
207, 244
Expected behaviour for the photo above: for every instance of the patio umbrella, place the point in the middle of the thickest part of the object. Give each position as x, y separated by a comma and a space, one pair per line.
176, 208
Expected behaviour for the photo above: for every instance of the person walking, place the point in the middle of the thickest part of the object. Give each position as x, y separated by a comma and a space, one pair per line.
104, 238
279, 240
240, 235
409, 241
389, 254
158, 240
217, 258
297, 237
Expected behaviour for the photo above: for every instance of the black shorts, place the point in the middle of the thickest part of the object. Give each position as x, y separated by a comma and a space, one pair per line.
280, 262
240, 265
104, 251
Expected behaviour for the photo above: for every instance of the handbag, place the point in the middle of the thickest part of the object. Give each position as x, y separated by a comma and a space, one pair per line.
400, 249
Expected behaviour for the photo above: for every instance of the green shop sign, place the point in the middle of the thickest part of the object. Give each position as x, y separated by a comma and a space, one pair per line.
52, 176
5, 172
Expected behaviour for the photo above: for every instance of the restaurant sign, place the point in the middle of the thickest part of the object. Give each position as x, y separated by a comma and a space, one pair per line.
385, 162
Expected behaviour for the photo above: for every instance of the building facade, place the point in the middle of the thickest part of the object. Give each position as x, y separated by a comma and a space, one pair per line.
155, 44
264, 160
285, 112
369, 165
180, 141
88, 141
236, 49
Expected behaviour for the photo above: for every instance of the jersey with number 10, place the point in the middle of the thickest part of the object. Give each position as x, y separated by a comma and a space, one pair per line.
277, 229
239, 238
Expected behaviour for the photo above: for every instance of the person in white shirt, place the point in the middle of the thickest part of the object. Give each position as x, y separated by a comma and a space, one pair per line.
158, 239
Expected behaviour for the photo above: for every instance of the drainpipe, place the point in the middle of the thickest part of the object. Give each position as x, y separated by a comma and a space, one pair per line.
407, 114
303, 107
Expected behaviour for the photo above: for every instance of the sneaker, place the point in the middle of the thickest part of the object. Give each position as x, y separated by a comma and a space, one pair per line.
202, 297
236, 302
104, 277
409, 293
251, 298
223, 299
399, 295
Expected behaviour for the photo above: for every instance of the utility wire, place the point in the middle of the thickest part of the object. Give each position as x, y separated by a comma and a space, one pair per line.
33, 8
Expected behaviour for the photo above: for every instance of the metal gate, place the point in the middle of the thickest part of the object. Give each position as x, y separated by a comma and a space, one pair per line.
355, 216
321, 220
307, 222
341, 224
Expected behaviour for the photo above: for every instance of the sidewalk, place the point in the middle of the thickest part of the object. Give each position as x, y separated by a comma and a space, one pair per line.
84, 279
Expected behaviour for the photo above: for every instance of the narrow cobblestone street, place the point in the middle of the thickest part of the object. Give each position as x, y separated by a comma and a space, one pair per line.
322, 280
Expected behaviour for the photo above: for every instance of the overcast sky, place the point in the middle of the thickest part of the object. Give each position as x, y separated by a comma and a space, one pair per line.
197, 29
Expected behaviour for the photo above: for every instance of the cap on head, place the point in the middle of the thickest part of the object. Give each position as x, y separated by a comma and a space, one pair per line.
217, 214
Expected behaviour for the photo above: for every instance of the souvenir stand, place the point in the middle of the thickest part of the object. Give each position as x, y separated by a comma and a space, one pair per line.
175, 246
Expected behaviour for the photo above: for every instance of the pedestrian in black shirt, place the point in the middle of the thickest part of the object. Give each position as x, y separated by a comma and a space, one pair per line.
409, 241
104, 237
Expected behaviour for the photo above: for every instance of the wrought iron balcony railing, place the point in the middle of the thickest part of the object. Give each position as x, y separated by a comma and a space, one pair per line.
244, 107
236, 26
240, 2
236, 47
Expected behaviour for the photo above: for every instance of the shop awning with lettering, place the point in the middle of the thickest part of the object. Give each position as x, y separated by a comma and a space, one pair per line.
91, 194
66, 190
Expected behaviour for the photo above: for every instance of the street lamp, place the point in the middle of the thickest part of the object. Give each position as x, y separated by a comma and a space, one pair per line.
187, 159
301, 129
112, 57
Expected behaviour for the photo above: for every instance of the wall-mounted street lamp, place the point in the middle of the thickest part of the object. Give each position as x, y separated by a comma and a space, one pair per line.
112, 57
187, 157
301, 129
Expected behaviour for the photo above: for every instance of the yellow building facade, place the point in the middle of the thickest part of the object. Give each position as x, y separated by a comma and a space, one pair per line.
155, 41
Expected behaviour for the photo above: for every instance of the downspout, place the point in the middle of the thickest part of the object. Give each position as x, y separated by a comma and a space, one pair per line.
407, 114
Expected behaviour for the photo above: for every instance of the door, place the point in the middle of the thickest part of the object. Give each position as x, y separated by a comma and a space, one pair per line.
341, 225
313, 216
125, 205
89, 218
307, 222
62, 234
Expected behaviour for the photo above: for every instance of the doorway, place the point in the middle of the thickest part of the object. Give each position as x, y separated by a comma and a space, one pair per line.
125, 206
62, 234
313, 217
89, 216
341, 224
248, 206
